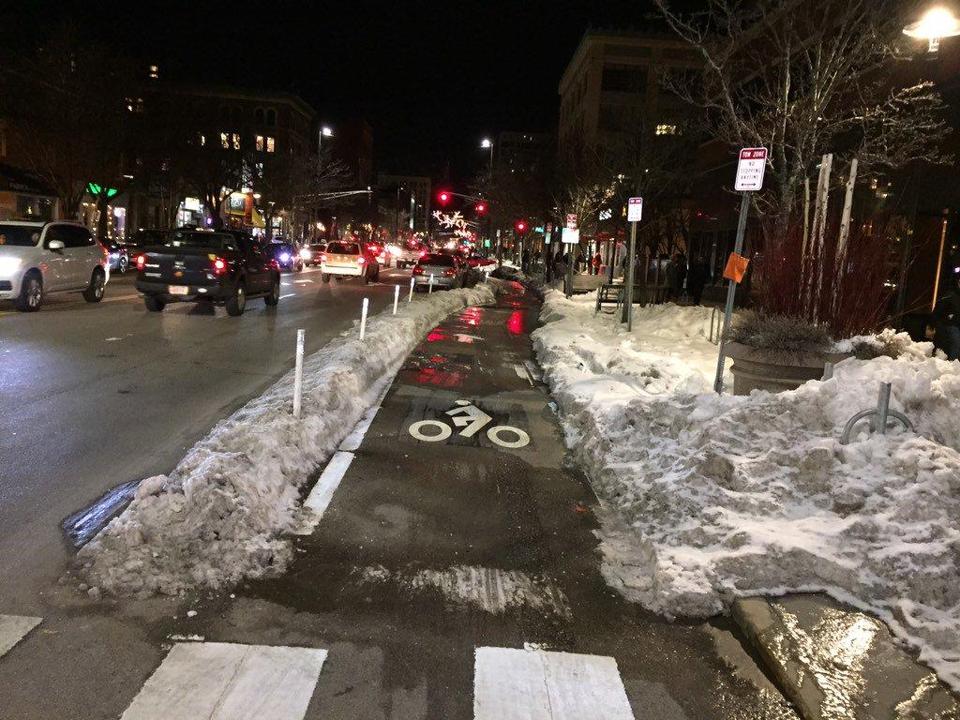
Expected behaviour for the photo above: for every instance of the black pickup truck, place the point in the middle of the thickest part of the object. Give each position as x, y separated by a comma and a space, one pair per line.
226, 268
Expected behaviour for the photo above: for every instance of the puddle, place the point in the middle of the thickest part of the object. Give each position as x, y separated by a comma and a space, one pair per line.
84, 524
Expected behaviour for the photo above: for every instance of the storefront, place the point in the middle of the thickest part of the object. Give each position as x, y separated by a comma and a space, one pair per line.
23, 197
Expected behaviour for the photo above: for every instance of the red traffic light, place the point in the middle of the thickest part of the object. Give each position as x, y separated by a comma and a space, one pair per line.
521, 226
443, 197
481, 208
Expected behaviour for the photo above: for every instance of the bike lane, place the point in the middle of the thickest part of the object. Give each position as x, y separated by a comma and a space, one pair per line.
454, 572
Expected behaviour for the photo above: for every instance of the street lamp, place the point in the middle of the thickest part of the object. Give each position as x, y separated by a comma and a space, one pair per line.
325, 131
936, 23
487, 144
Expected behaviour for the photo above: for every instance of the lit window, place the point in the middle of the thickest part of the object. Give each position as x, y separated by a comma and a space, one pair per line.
259, 143
236, 141
271, 144
225, 140
154, 72
203, 139
666, 130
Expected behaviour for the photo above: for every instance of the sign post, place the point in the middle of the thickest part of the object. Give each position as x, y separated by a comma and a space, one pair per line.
570, 236
750, 170
634, 213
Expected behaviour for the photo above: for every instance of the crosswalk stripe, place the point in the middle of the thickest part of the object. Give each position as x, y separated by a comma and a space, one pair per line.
226, 681
13, 628
512, 684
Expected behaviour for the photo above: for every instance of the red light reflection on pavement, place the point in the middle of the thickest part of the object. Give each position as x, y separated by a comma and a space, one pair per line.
440, 378
515, 323
472, 316
436, 335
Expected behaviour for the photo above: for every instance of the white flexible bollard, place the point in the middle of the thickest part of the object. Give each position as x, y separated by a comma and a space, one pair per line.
430, 291
410, 297
363, 318
396, 298
298, 375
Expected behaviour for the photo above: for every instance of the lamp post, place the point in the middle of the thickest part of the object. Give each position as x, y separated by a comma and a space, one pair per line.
324, 131
934, 25
487, 144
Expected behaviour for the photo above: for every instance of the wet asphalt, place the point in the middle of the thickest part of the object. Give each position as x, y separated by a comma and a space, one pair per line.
400, 647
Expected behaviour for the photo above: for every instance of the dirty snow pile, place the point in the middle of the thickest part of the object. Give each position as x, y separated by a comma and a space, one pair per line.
705, 498
221, 514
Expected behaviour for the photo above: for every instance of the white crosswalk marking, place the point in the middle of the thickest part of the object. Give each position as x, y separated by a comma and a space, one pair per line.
13, 628
513, 684
225, 681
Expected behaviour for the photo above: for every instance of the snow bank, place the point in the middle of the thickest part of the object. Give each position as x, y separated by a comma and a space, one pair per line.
221, 514
706, 498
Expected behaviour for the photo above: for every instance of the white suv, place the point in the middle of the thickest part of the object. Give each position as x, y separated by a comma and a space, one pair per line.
38, 258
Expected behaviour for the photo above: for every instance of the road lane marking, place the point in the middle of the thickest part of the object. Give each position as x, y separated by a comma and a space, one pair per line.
471, 419
288, 295
511, 684
322, 492
13, 628
226, 681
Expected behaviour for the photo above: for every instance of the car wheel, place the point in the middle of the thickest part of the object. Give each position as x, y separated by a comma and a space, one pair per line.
339, 279
153, 303
31, 293
238, 302
273, 299
325, 277
123, 264
94, 291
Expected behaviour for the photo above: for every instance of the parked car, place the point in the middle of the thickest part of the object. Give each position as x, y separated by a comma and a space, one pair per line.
480, 262
410, 253
225, 268
118, 255
287, 256
447, 271
344, 259
312, 254
38, 259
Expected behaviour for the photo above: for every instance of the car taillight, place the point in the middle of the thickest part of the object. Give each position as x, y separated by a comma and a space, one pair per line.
360, 261
450, 273
219, 266
423, 253
417, 270
141, 261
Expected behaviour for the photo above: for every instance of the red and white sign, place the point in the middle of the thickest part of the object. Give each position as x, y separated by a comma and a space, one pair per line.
750, 169
571, 221
634, 209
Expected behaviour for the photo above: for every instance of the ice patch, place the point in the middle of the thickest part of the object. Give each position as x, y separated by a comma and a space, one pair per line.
489, 589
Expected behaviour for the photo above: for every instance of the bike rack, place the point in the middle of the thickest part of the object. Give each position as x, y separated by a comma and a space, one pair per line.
879, 417
715, 322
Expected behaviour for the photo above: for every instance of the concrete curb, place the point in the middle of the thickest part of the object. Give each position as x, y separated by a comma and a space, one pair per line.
833, 662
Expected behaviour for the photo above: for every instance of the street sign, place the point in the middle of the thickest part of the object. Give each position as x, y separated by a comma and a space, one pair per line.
570, 236
571, 221
634, 209
750, 169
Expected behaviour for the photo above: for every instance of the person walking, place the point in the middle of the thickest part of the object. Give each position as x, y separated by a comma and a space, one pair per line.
697, 279
597, 262
947, 318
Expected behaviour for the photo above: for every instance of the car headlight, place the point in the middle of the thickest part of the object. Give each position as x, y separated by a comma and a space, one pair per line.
9, 266
306, 254
284, 257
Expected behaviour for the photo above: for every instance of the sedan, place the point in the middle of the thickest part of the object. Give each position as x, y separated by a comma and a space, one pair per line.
287, 256
440, 270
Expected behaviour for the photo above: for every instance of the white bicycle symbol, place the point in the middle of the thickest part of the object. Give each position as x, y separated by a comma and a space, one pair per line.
472, 419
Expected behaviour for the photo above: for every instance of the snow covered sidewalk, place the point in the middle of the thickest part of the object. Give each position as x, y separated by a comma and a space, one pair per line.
221, 515
706, 498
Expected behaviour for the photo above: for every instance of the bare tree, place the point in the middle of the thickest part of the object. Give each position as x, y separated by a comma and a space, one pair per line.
804, 78
70, 105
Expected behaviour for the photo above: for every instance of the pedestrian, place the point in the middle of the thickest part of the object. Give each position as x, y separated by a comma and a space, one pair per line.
947, 318
525, 260
597, 262
697, 279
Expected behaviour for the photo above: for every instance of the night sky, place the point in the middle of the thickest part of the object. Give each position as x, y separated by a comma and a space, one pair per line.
431, 77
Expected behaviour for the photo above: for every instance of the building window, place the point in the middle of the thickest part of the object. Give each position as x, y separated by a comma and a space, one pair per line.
271, 144
230, 140
619, 78
260, 143
154, 72
258, 116
135, 105
202, 139
271, 118
665, 129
